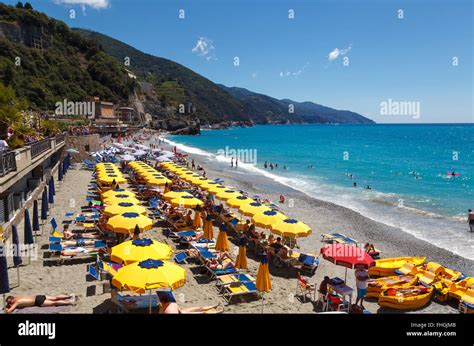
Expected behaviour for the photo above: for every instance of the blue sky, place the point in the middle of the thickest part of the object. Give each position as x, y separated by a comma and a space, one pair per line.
408, 60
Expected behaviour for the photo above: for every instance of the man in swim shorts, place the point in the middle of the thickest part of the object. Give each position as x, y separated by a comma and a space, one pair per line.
19, 302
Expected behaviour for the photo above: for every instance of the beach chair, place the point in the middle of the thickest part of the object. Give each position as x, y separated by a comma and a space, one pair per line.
93, 271
239, 288
128, 303
309, 263
232, 278
181, 257
305, 289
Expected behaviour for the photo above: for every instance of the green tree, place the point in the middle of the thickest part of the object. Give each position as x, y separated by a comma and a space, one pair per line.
19, 4
28, 6
11, 109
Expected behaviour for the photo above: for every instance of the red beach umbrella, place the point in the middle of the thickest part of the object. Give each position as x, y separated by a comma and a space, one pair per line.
348, 256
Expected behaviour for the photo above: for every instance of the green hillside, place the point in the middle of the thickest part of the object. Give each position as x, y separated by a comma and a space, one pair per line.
68, 66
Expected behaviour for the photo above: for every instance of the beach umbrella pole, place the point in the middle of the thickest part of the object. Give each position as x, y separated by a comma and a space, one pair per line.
18, 274
263, 300
150, 304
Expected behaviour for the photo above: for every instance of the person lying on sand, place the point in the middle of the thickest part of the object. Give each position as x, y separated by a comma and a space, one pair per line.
79, 250
169, 306
187, 222
19, 302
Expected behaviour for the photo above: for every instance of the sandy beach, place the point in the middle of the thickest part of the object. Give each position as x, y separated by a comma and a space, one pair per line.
40, 278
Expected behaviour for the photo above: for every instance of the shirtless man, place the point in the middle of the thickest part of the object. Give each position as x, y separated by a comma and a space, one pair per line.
39, 300
470, 219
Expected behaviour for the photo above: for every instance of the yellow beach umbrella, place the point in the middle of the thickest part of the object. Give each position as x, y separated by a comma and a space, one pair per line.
186, 202
197, 222
218, 188
196, 179
208, 228
126, 223
209, 185
222, 243
200, 181
253, 208
111, 193
241, 260
109, 179
176, 194
157, 181
263, 282
118, 198
228, 194
236, 202
291, 228
139, 249
149, 274
268, 218
124, 207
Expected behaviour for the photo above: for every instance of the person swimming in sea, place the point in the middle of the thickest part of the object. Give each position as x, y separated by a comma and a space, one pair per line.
368, 187
271, 166
354, 184
265, 164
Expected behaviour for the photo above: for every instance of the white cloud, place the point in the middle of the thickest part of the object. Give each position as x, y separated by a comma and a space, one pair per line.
205, 48
334, 54
296, 73
95, 4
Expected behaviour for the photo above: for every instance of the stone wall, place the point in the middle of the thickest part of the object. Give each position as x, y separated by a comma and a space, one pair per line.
83, 144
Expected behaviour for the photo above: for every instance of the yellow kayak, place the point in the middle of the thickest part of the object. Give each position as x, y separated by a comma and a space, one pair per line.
387, 266
405, 298
376, 286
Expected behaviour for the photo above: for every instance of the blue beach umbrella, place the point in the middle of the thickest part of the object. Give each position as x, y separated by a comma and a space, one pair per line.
36, 225
4, 283
44, 206
60, 172
51, 186
50, 194
16, 242
27, 228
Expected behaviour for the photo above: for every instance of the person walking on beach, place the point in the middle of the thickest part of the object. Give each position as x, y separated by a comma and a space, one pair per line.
236, 162
193, 166
470, 219
232, 162
362, 276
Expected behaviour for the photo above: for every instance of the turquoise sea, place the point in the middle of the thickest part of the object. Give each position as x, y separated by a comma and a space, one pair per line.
406, 167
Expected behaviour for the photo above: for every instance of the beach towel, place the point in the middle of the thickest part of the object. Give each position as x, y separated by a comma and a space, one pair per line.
44, 310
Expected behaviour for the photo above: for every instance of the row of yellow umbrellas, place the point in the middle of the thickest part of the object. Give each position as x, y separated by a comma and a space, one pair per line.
263, 215
150, 175
234, 199
107, 173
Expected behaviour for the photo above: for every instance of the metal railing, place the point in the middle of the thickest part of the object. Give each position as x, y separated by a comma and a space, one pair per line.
7, 163
60, 138
40, 147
